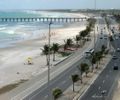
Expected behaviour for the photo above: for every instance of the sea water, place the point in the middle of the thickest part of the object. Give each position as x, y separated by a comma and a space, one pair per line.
8, 33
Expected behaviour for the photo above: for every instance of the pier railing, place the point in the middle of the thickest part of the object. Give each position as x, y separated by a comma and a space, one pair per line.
44, 19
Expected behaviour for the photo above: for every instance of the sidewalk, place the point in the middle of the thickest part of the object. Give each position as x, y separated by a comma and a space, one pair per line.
80, 89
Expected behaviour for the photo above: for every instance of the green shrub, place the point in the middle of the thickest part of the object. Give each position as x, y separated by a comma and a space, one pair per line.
65, 54
56, 93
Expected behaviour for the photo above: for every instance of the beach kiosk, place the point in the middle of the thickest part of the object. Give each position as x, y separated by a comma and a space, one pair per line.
29, 60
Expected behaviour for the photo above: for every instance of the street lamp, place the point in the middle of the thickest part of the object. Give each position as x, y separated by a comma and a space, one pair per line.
95, 4
49, 35
94, 25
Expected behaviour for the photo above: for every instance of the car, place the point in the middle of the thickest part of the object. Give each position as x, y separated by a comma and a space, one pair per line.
116, 37
118, 49
87, 54
114, 57
91, 51
115, 67
105, 37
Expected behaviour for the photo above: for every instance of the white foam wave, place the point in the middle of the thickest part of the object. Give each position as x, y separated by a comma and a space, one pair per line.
2, 28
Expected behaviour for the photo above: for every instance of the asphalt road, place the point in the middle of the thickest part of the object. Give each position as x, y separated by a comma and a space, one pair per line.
63, 80
106, 79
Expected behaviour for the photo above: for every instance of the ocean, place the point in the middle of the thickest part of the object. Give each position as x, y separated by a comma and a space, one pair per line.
12, 32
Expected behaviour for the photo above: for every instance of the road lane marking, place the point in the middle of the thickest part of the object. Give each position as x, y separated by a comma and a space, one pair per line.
64, 82
99, 88
110, 71
103, 81
97, 96
46, 96
107, 76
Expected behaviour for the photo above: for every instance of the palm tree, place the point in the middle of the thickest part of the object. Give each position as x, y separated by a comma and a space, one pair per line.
46, 51
93, 61
82, 35
75, 78
69, 42
55, 48
84, 68
77, 39
65, 47
103, 48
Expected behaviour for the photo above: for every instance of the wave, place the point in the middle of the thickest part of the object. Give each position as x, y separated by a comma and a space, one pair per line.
2, 28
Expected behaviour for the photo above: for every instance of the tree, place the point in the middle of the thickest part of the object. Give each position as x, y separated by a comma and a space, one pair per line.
69, 42
111, 38
103, 48
84, 68
75, 78
65, 47
55, 48
77, 39
46, 51
93, 61
98, 56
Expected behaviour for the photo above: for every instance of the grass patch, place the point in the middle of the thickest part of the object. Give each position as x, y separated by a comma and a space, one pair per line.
9, 87
64, 54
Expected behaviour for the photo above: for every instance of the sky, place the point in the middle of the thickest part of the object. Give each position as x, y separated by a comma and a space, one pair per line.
59, 4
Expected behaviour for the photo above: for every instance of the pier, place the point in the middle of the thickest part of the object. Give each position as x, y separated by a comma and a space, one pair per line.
44, 19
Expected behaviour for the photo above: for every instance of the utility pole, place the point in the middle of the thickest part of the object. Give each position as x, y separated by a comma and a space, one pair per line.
94, 25
49, 36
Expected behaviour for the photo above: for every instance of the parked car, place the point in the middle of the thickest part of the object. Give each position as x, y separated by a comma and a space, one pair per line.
115, 67
114, 57
118, 49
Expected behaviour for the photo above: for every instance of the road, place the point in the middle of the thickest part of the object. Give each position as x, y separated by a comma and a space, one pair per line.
106, 79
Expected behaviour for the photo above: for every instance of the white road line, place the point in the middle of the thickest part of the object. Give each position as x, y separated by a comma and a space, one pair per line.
99, 88
46, 96
107, 76
64, 82
103, 81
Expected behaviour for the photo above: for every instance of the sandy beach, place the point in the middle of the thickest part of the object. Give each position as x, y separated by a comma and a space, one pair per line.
13, 60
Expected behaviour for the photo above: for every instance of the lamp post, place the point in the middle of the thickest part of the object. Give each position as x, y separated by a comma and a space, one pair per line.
49, 35
94, 25
95, 4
